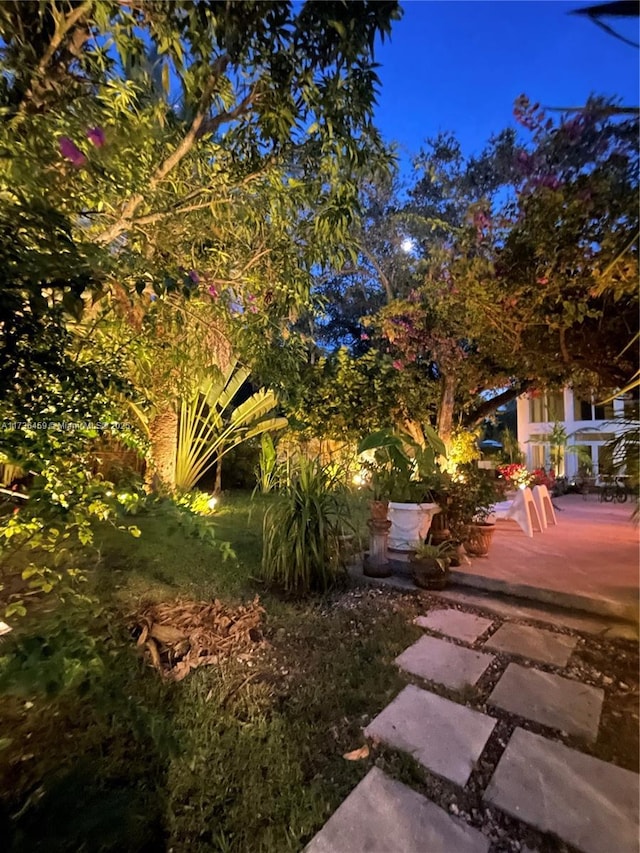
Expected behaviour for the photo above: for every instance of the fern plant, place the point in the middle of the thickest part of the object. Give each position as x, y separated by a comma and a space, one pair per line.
210, 426
301, 542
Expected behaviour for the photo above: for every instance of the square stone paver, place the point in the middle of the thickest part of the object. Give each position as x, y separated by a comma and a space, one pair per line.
444, 662
551, 700
381, 815
443, 736
455, 623
534, 643
589, 803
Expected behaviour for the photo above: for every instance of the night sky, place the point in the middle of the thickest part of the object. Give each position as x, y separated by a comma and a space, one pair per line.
459, 66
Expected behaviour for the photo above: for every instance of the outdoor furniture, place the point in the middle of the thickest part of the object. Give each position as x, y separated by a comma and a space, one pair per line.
522, 509
544, 506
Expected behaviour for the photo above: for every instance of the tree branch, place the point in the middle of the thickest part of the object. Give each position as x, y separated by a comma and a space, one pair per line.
61, 31
383, 278
484, 409
199, 126
62, 28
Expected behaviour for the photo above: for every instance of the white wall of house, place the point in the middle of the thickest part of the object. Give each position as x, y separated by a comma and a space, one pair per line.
586, 424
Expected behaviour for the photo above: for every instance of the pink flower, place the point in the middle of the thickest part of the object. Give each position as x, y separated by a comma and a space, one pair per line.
96, 135
398, 364
70, 150
543, 281
364, 336
212, 291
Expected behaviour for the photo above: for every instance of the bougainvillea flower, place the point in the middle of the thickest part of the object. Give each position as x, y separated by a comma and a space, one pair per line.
70, 150
96, 135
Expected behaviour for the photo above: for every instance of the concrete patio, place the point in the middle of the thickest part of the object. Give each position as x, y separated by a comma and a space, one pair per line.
588, 561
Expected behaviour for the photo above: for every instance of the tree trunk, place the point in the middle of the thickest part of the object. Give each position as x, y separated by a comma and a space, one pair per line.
160, 475
445, 410
217, 488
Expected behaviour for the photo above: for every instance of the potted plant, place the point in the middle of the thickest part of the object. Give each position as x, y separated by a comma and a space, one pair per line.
472, 494
403, 474
430, 565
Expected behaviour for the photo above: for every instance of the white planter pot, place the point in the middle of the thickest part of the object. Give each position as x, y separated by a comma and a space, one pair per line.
410, 523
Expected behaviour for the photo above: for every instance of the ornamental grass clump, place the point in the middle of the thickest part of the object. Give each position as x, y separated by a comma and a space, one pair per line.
302, 532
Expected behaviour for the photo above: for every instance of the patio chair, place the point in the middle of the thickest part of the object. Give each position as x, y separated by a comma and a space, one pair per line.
544, 506
522, 509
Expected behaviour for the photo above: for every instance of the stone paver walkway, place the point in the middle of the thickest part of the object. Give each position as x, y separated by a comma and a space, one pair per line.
384, 816
587, 802
445, 737
444, 662
534, 643
550, 700
455, 623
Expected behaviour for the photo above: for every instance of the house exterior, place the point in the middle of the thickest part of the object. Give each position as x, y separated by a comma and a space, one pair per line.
587, 424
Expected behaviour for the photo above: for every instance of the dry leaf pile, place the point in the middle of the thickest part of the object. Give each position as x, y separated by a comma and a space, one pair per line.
183, 635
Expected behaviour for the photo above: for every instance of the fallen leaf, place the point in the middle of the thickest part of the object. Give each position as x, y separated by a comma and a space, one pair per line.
357, 754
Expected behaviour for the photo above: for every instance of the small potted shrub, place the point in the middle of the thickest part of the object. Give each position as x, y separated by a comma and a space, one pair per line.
471, 499
430, 565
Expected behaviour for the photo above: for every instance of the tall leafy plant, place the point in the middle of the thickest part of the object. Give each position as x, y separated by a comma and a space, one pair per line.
301, 545
210, 426
268, 467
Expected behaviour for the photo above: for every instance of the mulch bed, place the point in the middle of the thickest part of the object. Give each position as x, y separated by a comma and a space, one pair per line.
180, 636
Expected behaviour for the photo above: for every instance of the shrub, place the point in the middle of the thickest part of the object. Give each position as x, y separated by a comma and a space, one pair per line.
301, 545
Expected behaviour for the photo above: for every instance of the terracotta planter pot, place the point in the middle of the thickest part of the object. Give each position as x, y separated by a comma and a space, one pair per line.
439, 531
379, 510
479, 539
456, 555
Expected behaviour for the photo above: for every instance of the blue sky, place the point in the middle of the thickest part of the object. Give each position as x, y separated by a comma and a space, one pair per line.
459, 66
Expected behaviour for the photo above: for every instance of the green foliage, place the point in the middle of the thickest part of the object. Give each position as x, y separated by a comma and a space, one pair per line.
267, 472
401, 469
301, 539
210, 426
466, 497
196, 502
343, 394
511, 446
437, 553
44, 540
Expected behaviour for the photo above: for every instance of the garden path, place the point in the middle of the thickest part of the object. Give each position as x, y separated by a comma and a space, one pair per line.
538, 770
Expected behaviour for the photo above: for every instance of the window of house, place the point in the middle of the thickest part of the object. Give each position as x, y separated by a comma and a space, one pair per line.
555, 406
582, 410
536, 409
605, 460
538, 454
603, 412
586, 410
546, 407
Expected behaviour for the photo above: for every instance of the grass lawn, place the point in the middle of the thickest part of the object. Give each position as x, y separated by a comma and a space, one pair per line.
244, 756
